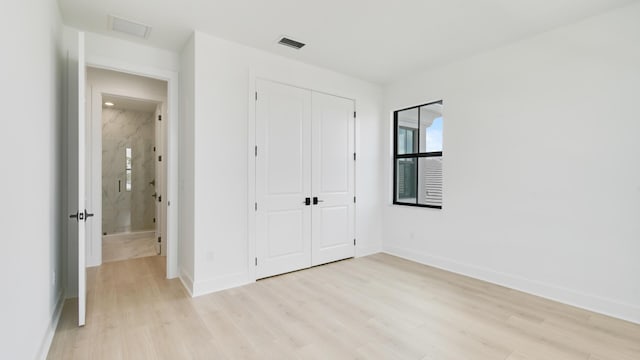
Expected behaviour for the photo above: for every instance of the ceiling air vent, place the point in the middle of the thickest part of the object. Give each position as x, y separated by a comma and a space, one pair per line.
129, 27
291, 43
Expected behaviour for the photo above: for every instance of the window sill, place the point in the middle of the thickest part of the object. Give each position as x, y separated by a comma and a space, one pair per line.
439, 207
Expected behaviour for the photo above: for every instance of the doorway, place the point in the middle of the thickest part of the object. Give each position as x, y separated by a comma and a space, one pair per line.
130, 225
128, 183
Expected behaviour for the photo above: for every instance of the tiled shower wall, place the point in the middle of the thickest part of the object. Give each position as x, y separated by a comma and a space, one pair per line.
122, 210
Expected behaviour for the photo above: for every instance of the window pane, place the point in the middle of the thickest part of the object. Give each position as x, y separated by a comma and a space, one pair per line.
127, 156
407, 131
431, 128
410, 141
406, 171
127, 166
128, 180
430, 181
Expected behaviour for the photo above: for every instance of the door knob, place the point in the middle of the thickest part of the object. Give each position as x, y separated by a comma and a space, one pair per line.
316, 201
307, 201
81, 215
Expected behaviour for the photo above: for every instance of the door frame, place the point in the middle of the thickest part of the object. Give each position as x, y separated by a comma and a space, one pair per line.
170, 122
94, 118
254, 76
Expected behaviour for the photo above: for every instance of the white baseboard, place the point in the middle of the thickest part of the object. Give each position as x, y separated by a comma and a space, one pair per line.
366, 251
593, 303
220, 283
186, 281
51, 329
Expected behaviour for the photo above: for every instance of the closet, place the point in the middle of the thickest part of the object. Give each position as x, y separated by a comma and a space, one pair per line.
305, 178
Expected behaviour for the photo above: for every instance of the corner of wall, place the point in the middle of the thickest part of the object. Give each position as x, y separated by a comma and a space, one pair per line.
186, 281
52, 326
186, 181
366, 251
219, 283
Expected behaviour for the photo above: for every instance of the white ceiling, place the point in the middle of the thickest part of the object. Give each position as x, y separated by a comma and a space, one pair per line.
376, 40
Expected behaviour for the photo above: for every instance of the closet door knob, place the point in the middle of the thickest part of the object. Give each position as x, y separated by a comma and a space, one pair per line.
316, 201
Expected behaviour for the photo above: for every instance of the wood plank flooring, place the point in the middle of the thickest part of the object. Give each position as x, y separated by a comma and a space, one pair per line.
376, 307
125, 246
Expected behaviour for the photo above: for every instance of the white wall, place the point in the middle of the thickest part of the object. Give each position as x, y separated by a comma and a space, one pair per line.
223, 91
31, 152
186, 181
541, 172
133, 86
102, 48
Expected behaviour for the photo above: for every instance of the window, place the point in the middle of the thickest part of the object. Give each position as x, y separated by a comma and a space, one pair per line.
406, 142
127, 169
417, 156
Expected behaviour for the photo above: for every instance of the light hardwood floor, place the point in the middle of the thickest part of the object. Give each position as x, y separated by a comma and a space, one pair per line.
125, 246
376, 307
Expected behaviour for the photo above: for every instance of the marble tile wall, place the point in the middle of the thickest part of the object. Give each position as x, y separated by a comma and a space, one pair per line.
122, 210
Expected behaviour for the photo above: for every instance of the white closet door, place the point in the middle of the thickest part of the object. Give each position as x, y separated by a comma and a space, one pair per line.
283, 178
333, 172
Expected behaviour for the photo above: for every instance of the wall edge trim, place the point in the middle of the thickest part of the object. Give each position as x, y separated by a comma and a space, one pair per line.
51, 327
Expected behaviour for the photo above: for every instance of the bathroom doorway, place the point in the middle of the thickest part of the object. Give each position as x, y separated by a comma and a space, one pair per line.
129, 140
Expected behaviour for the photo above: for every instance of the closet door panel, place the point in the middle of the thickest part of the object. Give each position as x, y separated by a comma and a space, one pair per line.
333, 178
283, 178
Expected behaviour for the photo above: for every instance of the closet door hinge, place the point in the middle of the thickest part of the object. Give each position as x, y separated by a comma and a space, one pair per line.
354, 156
354, 242
256, 206
256, 96
159, 117
256, 150
256, 261
354, 199
354, 114
159, 157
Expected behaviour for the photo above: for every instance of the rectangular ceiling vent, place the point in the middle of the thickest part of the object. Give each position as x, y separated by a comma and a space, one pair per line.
291, 43
129, 27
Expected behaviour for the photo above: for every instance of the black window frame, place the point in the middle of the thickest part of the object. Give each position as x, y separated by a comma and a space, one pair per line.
416, 156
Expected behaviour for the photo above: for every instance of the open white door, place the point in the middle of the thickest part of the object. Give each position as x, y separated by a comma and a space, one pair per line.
77, 165
82, 198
